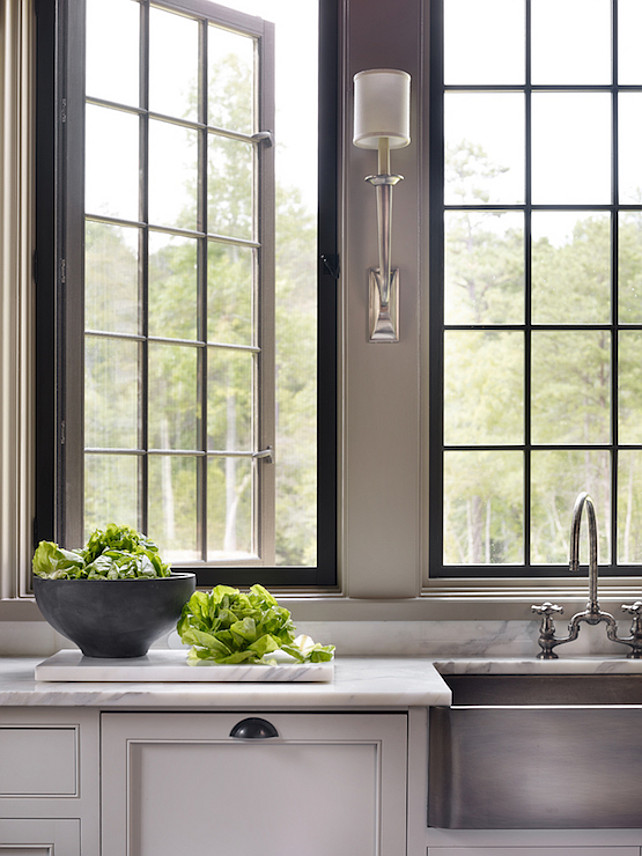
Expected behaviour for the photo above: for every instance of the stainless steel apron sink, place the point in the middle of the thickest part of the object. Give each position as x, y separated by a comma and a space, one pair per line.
537, 752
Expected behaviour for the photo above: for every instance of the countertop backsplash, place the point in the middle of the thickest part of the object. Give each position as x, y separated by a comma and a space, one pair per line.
380, 638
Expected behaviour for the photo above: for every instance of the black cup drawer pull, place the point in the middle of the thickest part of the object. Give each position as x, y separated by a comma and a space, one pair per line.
254, 728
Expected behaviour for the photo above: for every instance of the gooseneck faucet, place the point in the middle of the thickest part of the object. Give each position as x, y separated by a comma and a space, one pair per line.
592, 615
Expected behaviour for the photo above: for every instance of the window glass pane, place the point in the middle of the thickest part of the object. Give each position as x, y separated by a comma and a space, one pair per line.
630, 387
484, 387
231, 81
230, 202
173, 175
111, 278
630, 267
111, 393
229, 510
630, 134
173, 64
571, 41
557, 478
571, 147
173, 515
111, 491
111, 23
230, 294
571, 386
484, 41
111, 162
484, 276
629, 507
172, 286
483, 508
571, 267
230, 408
484, 147
629, 56
173, 397
296, 170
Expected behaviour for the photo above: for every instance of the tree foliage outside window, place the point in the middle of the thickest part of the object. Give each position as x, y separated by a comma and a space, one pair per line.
540, 316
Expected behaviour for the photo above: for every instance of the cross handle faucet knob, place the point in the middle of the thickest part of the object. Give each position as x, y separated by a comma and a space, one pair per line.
549, 608
633, 608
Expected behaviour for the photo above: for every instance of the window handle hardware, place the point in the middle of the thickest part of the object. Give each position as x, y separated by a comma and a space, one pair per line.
264, 137
254, 728
265, 454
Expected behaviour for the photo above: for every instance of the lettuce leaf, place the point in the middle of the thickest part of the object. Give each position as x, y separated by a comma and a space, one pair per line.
115, 553
227, 626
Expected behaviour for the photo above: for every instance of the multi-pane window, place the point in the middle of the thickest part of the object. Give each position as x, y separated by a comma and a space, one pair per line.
187, 302
536, 236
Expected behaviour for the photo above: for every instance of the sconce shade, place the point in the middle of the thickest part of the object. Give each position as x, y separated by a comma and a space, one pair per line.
381, 108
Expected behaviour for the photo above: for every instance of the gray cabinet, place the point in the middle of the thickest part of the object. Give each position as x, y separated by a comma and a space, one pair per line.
39, 837
49, 782
321, 784
534, 851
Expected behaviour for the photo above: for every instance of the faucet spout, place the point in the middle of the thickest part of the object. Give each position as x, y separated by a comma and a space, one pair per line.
584, 500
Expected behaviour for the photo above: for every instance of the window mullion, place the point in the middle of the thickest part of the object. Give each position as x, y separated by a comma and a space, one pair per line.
143, 263
264, 400
202, 256
615, 330
527, 287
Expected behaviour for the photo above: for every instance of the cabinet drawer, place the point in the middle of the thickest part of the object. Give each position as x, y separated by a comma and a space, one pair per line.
308, 784
38, 762
534, 851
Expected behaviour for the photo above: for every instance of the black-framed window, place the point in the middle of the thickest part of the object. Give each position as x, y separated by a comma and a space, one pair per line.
167, 319
536, 263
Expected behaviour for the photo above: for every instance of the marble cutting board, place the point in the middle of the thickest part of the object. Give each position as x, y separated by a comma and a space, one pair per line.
160, 665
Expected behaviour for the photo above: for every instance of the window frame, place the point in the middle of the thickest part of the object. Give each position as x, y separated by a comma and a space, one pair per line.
59, 34
519, 573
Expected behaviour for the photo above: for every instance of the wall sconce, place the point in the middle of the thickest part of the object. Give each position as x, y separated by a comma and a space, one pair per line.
382, 122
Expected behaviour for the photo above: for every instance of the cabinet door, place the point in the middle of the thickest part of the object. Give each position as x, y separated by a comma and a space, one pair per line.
326, 785
31, 837
534, 851
49, 771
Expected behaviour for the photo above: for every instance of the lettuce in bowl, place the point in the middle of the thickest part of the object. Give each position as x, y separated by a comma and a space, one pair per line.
116, 552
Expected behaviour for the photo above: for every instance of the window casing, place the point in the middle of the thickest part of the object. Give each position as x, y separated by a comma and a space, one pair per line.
150, 447
534, 326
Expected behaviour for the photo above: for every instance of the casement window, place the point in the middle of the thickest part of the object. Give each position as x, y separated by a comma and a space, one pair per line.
186, 348
536, 263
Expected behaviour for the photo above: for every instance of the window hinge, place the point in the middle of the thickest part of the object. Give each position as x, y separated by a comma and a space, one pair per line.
331, 265
34, 267
63, 433
264, 137
63, 110
63, 271
266, 455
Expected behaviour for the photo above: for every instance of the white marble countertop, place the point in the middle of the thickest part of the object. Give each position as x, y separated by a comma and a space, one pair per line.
384, 683
392, 683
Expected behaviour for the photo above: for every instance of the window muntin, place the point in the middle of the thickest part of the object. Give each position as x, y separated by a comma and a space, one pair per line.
238, 329
535, 236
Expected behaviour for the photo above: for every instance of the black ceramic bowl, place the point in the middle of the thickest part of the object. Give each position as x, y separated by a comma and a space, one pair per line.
113, 618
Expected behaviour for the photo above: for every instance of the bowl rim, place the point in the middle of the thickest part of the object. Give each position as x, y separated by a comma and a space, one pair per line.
173, 576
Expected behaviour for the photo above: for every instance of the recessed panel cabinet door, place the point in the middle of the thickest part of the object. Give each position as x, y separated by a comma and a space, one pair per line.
323, 785
39, 837
534, 851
